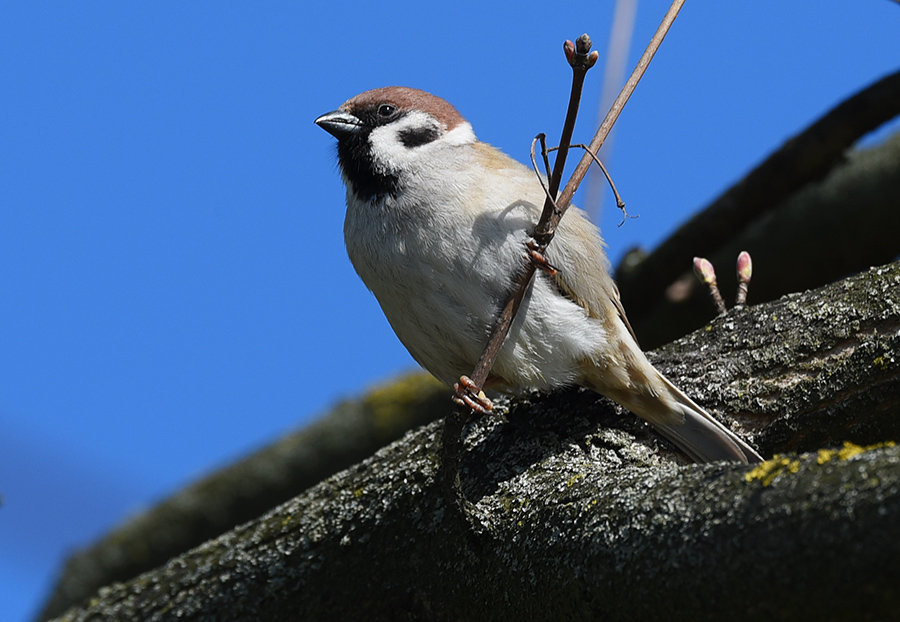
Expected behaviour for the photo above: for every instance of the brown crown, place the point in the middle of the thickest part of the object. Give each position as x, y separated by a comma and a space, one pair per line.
406, 98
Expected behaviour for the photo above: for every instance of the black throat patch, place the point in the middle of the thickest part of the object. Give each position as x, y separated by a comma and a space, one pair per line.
356, 162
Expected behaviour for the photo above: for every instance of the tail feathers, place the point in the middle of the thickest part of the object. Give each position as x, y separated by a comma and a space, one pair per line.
698, 434
632, 381
682, 421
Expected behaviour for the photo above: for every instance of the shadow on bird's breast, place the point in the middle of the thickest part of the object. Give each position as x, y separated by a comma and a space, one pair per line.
515, 221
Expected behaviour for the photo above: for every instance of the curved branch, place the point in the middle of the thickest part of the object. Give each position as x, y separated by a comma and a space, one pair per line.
587, 515
804, 158
839, 226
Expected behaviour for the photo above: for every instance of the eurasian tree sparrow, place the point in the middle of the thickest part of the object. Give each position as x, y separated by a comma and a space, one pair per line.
437, 224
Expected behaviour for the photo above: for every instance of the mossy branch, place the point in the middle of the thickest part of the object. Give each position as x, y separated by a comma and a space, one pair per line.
588, 513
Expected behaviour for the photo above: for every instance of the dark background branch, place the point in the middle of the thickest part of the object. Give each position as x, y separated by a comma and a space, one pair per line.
829, 229
350, 432
803, 160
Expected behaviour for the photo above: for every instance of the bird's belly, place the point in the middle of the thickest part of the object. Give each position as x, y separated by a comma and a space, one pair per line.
445, 317
442, 294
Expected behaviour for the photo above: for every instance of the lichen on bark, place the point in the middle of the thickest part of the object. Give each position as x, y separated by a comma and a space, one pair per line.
588, 513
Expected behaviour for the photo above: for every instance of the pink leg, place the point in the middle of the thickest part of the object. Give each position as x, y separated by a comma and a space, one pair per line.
537, 256
467, 393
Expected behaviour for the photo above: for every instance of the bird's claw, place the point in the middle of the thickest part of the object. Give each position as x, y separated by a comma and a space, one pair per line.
536, 254
467, 393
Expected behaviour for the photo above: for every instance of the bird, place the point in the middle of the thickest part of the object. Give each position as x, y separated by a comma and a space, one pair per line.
438, 225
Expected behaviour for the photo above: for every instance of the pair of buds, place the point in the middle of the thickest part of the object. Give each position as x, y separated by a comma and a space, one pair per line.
706, 273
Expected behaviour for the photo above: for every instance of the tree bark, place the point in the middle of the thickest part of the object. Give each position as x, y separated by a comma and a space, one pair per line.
588, 513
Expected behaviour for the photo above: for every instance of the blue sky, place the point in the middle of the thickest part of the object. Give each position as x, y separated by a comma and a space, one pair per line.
174, 291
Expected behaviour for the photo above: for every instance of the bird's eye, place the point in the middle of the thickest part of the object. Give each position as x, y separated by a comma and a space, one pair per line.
386, 110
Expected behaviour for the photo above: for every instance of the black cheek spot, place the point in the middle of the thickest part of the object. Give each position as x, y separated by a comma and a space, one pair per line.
416, 137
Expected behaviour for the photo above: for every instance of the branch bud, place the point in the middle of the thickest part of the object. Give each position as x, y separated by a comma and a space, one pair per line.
744, 267
569, 49
744, 272
706, 273
583, 45
704, 270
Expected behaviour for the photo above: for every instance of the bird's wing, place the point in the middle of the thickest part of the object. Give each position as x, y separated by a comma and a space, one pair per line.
583, 276
577, 250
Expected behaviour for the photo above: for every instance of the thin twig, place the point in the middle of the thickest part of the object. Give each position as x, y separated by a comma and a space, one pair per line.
551, 215
621, 37
619, 202
544, 151
581, 60
594, 147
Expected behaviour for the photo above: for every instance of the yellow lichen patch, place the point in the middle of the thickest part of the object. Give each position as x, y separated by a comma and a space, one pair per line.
848, 451
881, 362
358, 493
770, 469
825, 455
287, 520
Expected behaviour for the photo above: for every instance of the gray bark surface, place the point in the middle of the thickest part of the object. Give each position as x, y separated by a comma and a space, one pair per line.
588, 514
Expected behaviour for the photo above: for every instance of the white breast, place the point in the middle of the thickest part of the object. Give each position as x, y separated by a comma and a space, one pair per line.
441, 274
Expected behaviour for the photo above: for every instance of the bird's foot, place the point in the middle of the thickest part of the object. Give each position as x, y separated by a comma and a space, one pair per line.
536, 254
467, 393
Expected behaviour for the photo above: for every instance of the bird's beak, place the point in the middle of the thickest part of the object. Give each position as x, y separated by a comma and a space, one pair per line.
339, 123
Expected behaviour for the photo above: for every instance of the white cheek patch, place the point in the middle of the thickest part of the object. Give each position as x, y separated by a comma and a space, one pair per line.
462, 134
391, 155
387, 148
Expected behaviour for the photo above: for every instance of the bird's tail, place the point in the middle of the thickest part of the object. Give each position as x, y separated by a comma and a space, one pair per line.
640, 388
698, 434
